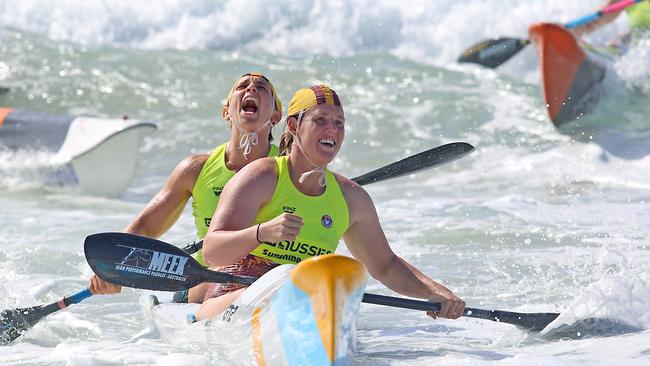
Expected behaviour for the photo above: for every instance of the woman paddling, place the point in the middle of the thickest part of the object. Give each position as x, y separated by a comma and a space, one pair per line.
252, 108
285, 209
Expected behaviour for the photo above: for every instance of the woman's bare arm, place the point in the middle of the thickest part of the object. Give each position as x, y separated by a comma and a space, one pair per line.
367, 242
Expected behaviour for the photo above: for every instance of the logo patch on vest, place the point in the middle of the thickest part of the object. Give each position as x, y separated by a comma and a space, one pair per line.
217, 191
326, 220
289, 209
207, 221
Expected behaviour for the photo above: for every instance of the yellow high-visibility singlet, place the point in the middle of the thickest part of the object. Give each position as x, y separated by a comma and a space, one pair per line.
638, 16
207, 189
325, 219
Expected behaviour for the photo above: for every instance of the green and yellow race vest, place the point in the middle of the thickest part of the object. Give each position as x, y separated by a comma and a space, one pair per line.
207, 189
638, 16
325, 217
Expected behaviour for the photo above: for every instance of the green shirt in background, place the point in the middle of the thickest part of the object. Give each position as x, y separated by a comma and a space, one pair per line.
207, 190
638, 16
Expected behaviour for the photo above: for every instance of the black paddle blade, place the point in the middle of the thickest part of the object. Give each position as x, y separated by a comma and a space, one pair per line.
493, 52
532, 322
14, 322
140, 262
590, 327
426, 159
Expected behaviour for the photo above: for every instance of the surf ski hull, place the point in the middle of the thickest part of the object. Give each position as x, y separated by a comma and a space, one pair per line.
98, 155
571, 79
293, 315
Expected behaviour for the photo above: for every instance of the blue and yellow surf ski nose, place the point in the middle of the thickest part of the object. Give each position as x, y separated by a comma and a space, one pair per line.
315, 313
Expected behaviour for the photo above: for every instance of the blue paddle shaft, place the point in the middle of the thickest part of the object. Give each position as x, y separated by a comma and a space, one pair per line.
594, 16
582, 21
78, 297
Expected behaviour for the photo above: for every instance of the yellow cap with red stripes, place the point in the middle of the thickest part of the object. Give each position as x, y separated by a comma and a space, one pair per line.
306, 98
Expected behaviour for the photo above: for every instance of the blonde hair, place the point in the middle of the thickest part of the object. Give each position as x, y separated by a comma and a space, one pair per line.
286, 139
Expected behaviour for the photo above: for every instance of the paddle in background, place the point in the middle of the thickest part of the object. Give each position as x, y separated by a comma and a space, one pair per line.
14, 322
493, 52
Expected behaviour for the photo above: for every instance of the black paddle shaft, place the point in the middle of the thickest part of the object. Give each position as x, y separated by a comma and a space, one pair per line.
533, 322
426, 159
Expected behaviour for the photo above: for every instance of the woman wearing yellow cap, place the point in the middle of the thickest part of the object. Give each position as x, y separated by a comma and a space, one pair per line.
288, 208
251, 109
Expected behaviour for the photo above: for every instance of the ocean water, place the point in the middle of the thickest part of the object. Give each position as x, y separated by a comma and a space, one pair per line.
535, 220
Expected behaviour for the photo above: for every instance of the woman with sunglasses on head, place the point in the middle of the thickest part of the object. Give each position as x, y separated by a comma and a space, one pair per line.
252, 108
